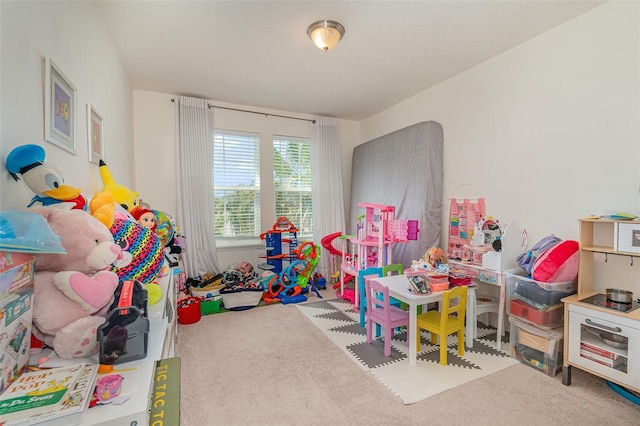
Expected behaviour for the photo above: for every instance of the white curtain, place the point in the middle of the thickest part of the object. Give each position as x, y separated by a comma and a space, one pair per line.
196, 215
326, 186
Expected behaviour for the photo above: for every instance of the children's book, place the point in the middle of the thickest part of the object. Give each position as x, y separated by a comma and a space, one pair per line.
38, 392
73, 407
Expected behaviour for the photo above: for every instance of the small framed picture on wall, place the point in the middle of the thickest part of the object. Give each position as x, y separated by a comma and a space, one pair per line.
59, 108
95, 135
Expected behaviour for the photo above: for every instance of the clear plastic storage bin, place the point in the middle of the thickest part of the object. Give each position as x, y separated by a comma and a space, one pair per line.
537, 348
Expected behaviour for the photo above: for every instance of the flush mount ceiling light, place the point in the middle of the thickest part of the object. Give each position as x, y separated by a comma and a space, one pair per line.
325, 34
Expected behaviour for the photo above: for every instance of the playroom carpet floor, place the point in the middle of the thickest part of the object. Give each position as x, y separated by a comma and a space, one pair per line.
340, 323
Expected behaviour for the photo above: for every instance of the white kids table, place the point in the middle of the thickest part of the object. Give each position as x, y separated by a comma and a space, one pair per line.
399, 289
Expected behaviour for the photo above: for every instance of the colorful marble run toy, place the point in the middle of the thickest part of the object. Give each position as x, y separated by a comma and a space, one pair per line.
289, 285
276, 253
377, 230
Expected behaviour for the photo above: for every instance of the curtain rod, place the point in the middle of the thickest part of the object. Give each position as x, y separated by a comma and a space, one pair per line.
266, 114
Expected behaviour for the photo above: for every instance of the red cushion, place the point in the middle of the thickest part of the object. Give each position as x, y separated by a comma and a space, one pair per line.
559, 263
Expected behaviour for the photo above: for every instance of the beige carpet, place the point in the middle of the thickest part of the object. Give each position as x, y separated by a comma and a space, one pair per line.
272, 366
340, 323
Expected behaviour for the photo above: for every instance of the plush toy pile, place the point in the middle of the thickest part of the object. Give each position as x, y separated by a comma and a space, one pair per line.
109, 238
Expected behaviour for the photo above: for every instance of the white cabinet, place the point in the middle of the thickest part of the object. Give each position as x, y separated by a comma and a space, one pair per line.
614, 358
585, 323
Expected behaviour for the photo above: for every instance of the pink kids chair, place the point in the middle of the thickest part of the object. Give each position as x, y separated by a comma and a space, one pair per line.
381, 312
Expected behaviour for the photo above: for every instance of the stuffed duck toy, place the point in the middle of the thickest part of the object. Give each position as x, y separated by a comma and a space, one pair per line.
45, 180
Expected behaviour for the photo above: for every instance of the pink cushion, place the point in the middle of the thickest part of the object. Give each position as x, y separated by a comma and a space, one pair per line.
559, 263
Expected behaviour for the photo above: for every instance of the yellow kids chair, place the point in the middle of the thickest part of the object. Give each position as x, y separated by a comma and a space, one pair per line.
448, 321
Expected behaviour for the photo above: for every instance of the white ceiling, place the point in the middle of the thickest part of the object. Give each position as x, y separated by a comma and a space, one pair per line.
258, 53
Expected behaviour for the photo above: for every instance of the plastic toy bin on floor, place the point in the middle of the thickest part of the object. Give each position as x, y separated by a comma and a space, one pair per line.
543, 316
240, 300
211, 305
536, 347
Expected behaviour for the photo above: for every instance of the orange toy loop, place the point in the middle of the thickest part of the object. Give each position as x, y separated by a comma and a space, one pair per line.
272, 281
300, 254
294, 291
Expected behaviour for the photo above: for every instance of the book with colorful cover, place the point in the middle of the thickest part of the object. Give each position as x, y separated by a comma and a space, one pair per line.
73, 407
38, 392
599, 351
612, 363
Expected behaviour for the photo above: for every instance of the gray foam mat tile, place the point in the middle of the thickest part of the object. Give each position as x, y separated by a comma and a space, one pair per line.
344, 304
372, 354
323, 304
350, 329
335, 315
492, 337
484, 348
452, 358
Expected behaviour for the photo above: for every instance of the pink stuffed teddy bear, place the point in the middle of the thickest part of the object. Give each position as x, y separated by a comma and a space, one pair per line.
73, 291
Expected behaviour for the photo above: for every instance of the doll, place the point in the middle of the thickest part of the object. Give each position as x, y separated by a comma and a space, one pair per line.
145, 217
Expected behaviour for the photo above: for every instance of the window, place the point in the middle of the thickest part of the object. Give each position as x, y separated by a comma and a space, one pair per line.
292, 182
244, 208
236, 180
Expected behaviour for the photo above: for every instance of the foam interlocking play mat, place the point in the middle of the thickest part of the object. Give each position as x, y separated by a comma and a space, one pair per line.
340, 323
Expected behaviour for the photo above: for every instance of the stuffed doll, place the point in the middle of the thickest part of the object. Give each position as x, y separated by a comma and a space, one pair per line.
43, 179
142, 254
73, 291
168, 232
127, 198
145, 217
103, 207
435, 256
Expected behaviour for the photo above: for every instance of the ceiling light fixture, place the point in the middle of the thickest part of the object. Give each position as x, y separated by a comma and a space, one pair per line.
325, 34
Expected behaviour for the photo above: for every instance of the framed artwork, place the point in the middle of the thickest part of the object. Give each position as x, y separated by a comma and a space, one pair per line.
95, 135
59, 108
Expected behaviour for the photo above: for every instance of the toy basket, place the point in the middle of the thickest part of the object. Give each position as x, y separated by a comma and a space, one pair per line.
206, 291
211, 306
189, 310
208, 288
241, 299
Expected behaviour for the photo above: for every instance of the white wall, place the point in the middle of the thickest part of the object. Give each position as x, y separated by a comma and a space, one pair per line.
72, 34
547, 132
155, 146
